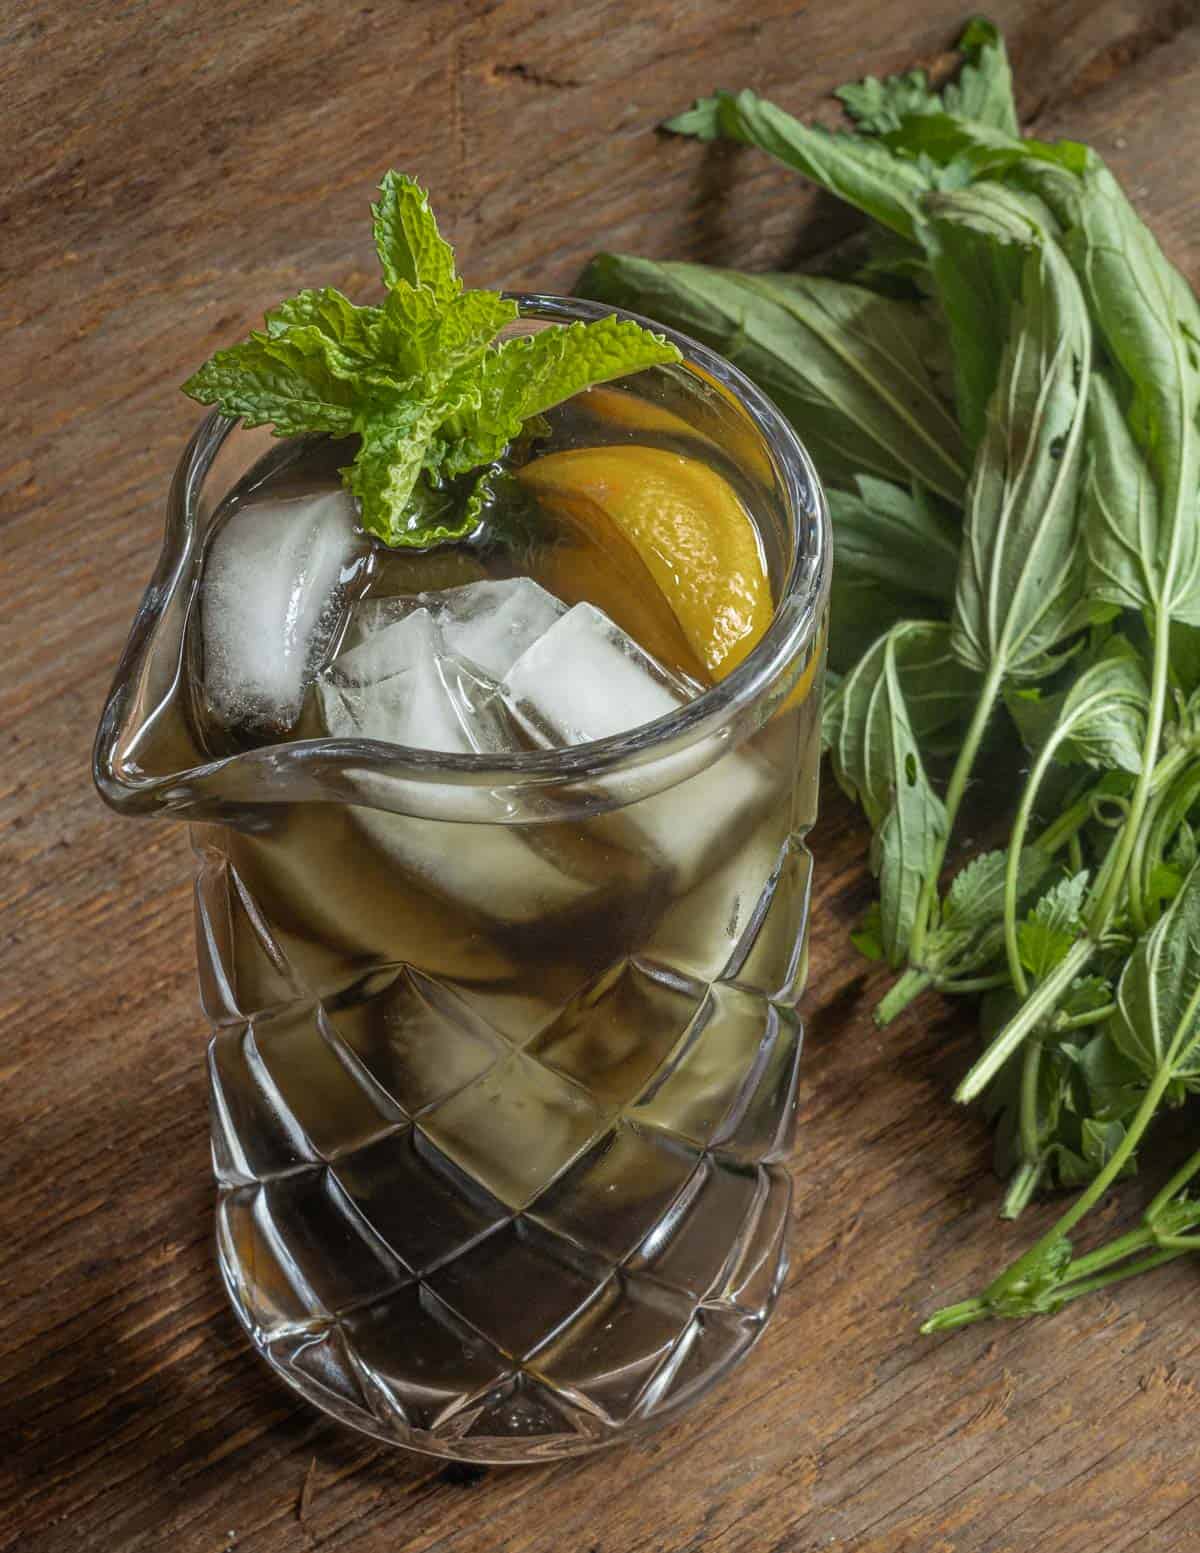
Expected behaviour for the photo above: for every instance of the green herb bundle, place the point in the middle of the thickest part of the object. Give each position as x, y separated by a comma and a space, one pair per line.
1002, 399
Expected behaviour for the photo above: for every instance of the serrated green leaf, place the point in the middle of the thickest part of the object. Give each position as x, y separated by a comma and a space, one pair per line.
1099, 1141
1046, 935
878, 106
353, 331
1021, 584
970, 933
934, 689
411, 249
1106, 710
847, 366
525, 376
269, 381
861, 610
984, 90
976, 277
900, 689
895, 536
1157, 1024
1144, 550
418, 379
859, 170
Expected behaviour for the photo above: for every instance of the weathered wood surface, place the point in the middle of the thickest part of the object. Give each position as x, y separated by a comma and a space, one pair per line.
170, 170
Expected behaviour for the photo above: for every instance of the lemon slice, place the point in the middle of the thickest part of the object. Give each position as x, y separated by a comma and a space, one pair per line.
685, 522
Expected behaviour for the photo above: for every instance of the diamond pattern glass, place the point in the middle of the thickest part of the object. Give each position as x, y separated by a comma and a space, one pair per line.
499, 1115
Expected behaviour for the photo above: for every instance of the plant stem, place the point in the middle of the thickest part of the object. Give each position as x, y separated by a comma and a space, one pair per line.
1096, 1016
975, 983
1066, 827
952, 1316
897, 998
1101, 913
1105, 1280
1173, 1187
1031, 1013
1031, 1068
955, 791
1095, 1190
1082, 1276
1021, 1188
1104, 1256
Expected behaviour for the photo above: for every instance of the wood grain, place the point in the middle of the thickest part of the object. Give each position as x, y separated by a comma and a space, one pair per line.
172, 169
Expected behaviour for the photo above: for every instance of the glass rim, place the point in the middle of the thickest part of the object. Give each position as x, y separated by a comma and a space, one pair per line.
794, 625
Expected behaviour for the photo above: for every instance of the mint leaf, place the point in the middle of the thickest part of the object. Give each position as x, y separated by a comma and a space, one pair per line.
384, 473
272, 381
419, 379
407, 240
350, 330
523, 377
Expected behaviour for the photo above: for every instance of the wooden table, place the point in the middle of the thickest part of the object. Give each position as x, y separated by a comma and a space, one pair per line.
174, 168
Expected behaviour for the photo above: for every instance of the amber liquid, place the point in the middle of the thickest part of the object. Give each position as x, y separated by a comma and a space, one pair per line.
477, 1085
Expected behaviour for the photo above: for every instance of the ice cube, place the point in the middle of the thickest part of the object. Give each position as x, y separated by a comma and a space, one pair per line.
493, 623
392, 647
490, 624
400, 685
586, 679
271, 601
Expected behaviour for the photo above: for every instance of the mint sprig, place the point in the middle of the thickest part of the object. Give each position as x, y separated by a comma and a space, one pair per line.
419, 380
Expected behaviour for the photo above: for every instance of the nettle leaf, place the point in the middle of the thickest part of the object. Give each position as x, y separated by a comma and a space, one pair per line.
896, 537
859, 170
984, 90
904, 687
846, 365
1144, 522
1157, 1024
411, 249
1102, 719
1099, 1141
938, 692
1045, 937
1021, 583
970, 933
861, 610
878, 106
976, 277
